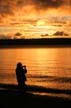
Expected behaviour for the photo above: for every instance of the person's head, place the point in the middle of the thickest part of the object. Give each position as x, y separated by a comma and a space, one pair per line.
19, 64
24, 66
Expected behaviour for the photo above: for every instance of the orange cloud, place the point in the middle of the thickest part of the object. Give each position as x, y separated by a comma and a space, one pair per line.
10, 7
26, 13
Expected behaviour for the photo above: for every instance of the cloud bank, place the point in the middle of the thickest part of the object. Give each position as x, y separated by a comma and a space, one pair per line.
26, 13
9, 7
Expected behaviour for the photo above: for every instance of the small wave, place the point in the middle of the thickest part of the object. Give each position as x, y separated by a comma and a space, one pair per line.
52, 78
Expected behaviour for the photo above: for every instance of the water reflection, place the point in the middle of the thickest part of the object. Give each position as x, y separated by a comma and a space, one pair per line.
54, 63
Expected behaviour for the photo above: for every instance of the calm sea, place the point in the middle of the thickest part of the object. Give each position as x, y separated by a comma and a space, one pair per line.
48, 67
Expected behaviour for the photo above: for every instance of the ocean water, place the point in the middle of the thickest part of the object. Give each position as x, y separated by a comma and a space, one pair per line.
48, 67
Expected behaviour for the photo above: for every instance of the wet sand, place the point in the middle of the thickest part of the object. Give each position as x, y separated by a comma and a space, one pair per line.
10, 96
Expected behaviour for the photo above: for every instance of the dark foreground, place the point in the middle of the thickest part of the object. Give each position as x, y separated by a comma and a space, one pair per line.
10, 96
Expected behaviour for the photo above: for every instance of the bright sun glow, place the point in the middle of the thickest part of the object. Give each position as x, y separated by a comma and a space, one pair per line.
41, 23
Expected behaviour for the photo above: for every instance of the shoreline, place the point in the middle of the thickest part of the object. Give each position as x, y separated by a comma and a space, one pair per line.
11, 96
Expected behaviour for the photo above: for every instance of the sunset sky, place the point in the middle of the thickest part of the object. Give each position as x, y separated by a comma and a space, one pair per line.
33, 18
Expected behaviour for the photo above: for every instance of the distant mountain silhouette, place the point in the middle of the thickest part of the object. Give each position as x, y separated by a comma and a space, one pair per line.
58, 33
40, 41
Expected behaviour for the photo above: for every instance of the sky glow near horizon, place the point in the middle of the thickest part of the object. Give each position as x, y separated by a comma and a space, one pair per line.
33, 18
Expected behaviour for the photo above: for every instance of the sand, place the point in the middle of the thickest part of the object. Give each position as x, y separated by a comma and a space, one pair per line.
10, 96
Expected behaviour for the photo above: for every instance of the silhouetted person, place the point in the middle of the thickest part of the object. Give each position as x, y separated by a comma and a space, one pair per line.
21, 75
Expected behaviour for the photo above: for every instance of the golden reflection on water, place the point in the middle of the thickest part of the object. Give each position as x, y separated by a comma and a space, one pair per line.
39, 61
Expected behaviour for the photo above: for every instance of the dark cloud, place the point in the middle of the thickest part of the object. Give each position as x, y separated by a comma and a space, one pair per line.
22, 3
48, 3
6, 7
18, 34
60, 33
11, 6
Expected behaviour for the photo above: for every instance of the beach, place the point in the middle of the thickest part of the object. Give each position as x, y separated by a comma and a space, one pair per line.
10, 96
